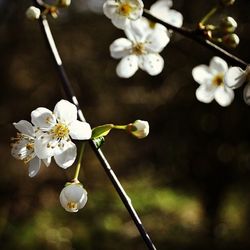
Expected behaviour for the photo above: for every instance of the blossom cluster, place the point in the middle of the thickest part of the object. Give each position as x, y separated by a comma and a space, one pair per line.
144, 39
49, 135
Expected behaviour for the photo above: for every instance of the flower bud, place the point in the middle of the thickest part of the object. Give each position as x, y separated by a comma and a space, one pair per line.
227, 2
64, 3
73, 197
139, 129
33, 13
231, 40
228, 24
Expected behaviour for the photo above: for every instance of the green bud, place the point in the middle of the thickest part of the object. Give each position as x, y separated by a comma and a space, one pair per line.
231, 40
101, 131
228, 24
227, 2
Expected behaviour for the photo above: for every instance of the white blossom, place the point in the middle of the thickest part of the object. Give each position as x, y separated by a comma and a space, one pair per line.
211, 82
140, 49
22, 147
139, 129
73, 197
33, 13
55, 130
122, 12
162, 10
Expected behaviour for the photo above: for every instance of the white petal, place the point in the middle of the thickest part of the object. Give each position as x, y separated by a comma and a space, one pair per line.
84, 200
42, 118
235, 77
224, 96
109, 8
65, 158
161, 5
65, 111
205, 93
80, 130
24, 127
121, 47
174, 17
75, 193
127, 66
120, 22
64, 202
19, 149
151, 63
201, 74
44, 146
156, 40
34, 166
217, 65
47, 161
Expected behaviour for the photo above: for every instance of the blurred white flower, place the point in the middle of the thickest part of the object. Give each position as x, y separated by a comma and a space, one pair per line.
140, 50
235, 77
73, 197
211, 82
139, 128
22, 147
33, 13
162, 10
54, 131
121, 12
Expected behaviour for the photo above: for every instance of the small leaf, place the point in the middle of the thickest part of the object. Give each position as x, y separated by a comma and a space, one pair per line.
99, 142
101, 131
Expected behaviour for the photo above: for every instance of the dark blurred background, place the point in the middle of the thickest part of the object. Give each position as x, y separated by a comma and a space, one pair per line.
189, 179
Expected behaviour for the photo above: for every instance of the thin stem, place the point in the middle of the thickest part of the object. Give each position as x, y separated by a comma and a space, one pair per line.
198, 36
123, 127
107, 168
208, 15
78, 167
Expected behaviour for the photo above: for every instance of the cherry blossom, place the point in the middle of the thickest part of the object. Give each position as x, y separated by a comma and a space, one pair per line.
22, 147
140, 49
211, 82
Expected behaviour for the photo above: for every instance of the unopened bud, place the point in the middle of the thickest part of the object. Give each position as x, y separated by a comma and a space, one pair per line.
33, 13
231, 40
139, 129
228, 24
227, 2
64, 3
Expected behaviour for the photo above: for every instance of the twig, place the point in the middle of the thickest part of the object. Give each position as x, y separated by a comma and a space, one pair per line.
197, 36
71, 96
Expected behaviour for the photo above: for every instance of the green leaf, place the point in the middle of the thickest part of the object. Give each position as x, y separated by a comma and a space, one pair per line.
101, 131
99, 142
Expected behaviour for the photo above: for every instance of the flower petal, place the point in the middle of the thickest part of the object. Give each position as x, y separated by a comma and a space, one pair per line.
151, 63
47, 161
224, 96
235, 77
42, 118
174, 17
24, 127
246, 94
156, 40
205, 93
75, 193
34, 166
65, 111
109, 8
19, 149
201, 74
83, 200
121, 47
44, 146
66, 156
127, 66
217, 65
80, 130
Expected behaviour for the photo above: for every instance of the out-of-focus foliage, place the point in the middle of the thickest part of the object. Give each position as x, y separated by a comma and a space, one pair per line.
189, 179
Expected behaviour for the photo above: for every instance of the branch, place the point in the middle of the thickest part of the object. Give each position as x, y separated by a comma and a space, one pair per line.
197, 36
71, 96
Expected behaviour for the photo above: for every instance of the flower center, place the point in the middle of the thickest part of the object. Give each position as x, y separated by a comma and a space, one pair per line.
139, 49
218, 79
72, 205
125, 9
60, 131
